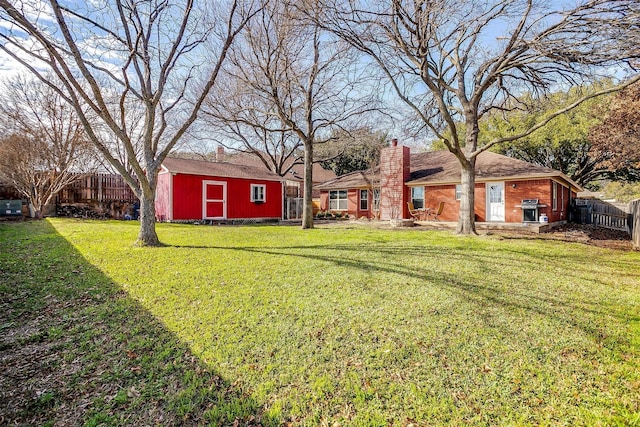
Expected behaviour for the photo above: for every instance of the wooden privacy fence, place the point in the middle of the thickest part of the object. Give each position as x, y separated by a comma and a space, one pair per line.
609, 215
100, 187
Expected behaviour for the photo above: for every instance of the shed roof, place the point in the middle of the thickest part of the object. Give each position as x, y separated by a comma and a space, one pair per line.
221, 169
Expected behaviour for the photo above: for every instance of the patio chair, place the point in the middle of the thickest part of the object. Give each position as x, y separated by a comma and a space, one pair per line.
435, 213
416, 214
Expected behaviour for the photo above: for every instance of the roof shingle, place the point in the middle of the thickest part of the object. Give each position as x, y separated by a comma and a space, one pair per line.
442, 167
222, 169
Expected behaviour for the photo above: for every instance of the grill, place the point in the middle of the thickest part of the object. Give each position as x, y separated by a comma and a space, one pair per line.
529, 210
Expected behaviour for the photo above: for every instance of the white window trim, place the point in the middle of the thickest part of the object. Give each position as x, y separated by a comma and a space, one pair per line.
457, 195
554, 196
346, 199
264, 193
360, 199
424, 194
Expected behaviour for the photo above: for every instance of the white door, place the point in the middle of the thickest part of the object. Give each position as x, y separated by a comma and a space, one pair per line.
214, 200
495, 201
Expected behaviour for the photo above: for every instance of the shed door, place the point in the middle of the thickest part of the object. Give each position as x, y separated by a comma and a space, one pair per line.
495, 201
214, 200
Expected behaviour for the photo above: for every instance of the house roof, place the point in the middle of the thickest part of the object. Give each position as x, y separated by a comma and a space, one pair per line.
296, 173
358, 179
442, 167
222, 169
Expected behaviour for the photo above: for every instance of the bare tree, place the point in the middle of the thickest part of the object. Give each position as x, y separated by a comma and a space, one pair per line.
44, 146
298, 80
118, 59
250, 124
455, 61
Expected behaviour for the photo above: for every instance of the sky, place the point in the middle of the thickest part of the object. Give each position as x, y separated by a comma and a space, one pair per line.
10, 68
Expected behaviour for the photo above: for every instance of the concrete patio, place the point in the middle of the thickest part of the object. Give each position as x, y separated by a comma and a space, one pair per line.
532, 227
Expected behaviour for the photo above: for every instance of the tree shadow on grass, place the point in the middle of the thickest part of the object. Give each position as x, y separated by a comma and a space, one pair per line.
75, 349
571, 310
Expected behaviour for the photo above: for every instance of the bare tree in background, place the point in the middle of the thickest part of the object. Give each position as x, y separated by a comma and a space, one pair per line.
298, 80
455, 61
248, 123
43, 146
116, 59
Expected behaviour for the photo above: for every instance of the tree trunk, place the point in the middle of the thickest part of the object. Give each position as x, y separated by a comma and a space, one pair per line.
307, 211
36, 206
34, 211
147, 235
466, 219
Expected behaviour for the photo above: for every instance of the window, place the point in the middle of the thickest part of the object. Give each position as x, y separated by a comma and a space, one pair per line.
417, 197
458, 191
555, 196
376, 199
364, 200
338, 200
258, 192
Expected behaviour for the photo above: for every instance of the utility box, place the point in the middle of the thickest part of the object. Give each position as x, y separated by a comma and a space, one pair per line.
10, 208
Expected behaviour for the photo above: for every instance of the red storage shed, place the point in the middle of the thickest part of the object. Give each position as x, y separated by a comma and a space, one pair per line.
201, 190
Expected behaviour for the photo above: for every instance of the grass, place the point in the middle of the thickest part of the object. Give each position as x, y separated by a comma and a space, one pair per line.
272, 325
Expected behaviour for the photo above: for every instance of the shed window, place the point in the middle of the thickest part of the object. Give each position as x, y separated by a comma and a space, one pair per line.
417, 197
555, 196
338, 200
258, 193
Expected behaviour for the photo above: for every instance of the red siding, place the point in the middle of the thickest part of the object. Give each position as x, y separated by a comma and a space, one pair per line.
162, 197
187, 198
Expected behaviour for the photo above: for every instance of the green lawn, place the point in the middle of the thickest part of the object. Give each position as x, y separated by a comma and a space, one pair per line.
272, 325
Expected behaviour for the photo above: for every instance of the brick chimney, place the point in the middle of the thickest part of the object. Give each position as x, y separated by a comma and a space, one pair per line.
220, 154
394, 172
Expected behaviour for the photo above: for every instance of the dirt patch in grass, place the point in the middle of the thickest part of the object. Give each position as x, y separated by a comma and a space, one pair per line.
596, 236
579, 233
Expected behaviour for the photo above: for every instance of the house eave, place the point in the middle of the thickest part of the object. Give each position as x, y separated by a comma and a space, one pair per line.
178, 172
572, 184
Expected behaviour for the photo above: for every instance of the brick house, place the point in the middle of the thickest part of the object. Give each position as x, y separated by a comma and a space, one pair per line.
503, 188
